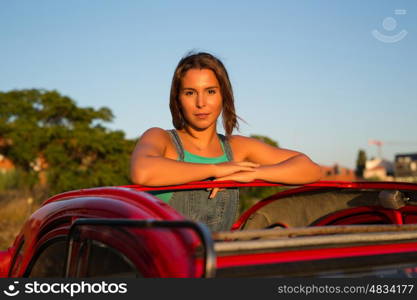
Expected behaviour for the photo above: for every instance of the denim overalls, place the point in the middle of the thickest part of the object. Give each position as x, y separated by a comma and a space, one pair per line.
218, 213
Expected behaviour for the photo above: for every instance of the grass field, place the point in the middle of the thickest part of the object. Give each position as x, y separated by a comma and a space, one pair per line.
15, 208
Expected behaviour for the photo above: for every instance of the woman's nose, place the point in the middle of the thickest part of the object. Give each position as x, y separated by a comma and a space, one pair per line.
201, 100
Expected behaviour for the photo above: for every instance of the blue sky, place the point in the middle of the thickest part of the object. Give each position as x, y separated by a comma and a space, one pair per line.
306, 73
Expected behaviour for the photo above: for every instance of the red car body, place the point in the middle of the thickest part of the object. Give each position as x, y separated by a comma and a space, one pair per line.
151, 239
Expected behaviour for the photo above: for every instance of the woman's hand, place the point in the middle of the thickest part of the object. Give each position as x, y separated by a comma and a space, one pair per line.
240, 176
228, 168
245, 176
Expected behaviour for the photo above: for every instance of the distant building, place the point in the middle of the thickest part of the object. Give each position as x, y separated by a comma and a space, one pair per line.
406, 167
337, 173
5, 164
378, 168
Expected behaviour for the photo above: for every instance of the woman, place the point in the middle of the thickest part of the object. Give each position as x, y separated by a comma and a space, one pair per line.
194, 151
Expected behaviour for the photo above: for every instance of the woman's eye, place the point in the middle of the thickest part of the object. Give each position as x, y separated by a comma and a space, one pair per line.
188, 93
211, 92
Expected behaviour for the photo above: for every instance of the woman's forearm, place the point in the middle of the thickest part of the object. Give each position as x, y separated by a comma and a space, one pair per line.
298, 169
161, 171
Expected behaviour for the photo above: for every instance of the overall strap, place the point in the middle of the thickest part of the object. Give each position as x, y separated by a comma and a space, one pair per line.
227, 147
177, 142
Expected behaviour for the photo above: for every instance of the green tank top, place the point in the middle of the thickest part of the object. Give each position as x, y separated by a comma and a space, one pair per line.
193, 158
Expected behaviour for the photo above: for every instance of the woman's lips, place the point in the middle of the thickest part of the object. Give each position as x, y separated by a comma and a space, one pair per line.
202, 116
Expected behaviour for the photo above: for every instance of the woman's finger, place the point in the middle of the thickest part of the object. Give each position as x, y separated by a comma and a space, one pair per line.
248, 164
213, 193
247, 169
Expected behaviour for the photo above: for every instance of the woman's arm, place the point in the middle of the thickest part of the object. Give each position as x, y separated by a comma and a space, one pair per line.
298, 169
150, 167
277, 165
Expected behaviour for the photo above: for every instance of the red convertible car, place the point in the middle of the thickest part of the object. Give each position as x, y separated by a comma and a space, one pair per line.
325, 229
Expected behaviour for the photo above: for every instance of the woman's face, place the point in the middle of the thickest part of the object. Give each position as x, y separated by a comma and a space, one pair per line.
200, 98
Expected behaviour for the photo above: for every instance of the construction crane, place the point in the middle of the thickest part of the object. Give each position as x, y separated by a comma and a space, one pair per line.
379, 144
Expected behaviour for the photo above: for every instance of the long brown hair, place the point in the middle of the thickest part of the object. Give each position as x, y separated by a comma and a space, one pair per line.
203, 60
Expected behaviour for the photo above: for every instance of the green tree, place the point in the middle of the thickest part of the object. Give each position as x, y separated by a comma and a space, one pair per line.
43, 131
360, 163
